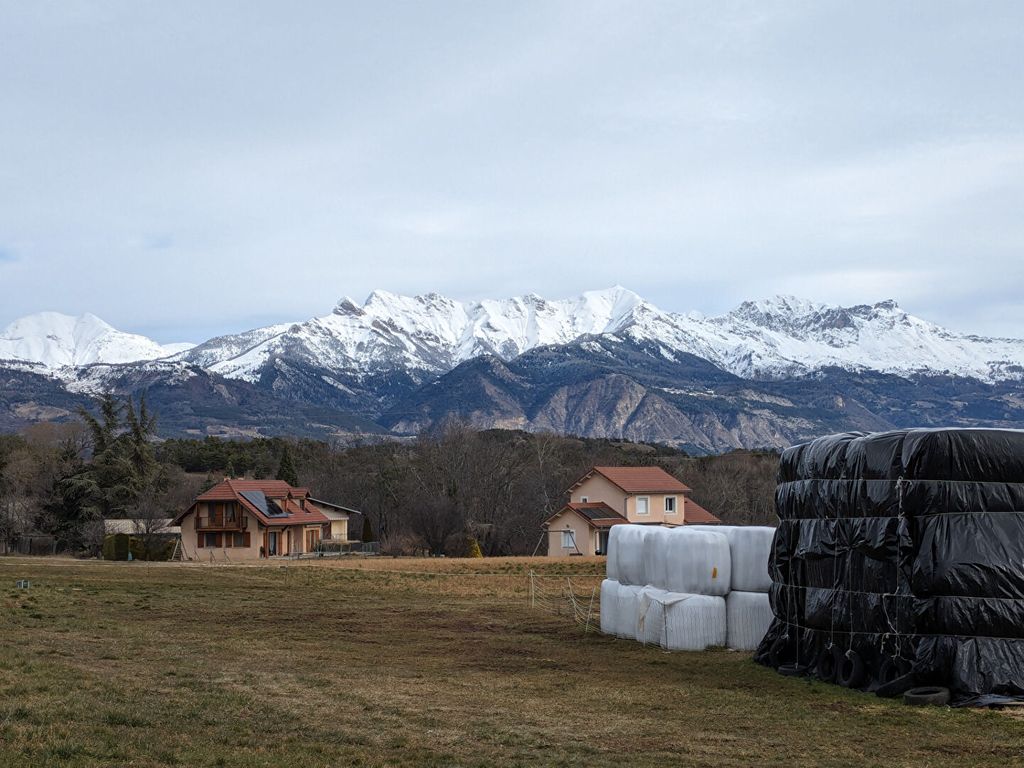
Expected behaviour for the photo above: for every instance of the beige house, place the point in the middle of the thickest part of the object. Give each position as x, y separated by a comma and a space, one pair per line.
608, 496
337, 517
581, 529
252, 519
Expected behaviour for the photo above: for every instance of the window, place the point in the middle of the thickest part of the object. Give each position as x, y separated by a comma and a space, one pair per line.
584, 499
210, 539
643, 505
670, 505
568, 540
238, 540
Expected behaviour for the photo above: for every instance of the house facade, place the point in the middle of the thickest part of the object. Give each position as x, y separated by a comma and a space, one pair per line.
608, 496
337, 520
253, 519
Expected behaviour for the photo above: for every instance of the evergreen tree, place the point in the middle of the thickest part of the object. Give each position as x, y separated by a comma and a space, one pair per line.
122, 462
140, 430
286, 469
71, 504
367, 529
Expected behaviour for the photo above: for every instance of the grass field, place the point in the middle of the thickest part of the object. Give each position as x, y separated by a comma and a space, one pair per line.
406, 663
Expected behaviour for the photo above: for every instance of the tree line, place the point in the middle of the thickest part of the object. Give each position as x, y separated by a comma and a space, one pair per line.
445, 492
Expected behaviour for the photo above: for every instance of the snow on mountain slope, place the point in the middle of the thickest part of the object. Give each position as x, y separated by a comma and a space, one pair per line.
769, 339
54, 341
429, 333
785, 337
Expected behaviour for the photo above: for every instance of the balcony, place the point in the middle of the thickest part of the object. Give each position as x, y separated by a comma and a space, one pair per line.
221, 522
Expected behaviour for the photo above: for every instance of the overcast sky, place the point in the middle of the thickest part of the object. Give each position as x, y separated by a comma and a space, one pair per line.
184, 169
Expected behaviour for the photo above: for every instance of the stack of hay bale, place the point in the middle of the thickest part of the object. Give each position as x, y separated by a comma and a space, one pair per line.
688, 588
899, 561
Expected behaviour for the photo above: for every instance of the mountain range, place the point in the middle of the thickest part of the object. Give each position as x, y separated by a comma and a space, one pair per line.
606, 363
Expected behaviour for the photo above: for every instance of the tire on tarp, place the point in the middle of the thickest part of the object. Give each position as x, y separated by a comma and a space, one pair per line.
827, 664
891, 669
932, 695
851, 672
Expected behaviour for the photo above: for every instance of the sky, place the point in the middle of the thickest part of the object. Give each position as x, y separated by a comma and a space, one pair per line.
191, 168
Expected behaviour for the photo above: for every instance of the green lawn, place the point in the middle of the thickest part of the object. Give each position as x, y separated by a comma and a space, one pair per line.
406, 662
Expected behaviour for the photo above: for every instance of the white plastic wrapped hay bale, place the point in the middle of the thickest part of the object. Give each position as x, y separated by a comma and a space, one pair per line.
611, 563
626, 548
750, 547
628, 610
609, 606
650, 626
748, 615
655, 555
693, 622
697, 562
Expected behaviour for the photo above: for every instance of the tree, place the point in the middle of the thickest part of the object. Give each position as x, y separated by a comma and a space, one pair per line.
122, 458
286, 469
166, 492
71, 509
121, 469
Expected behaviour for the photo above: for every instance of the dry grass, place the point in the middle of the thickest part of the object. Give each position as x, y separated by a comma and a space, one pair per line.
405, 662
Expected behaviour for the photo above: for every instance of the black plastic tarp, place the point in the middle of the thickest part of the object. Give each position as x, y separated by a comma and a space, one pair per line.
906, 548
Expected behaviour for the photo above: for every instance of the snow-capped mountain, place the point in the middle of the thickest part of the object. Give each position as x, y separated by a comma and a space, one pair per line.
606, 364
58, 343
787, 337
429, 333
770, 339
774, 338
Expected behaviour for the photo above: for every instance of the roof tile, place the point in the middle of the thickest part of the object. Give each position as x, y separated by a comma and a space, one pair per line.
231, 489
694, 513
639, 479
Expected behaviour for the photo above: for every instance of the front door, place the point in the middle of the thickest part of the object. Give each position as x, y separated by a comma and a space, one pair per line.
271, 543
602, 542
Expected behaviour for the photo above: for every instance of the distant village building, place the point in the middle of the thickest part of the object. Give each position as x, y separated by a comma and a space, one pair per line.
252, 519
609, 496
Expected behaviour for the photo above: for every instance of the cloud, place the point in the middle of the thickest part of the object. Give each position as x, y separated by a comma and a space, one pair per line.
265, 164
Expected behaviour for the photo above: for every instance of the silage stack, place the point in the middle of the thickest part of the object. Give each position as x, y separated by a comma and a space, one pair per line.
899, 560
674, 587
748, 608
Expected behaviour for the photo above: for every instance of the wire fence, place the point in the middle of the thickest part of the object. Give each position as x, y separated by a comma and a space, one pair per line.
559, 596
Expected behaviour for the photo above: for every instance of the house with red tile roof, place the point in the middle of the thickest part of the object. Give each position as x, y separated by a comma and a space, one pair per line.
252, 519
607, 496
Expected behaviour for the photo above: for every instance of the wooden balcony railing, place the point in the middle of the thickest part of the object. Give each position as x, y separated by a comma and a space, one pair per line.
221, 522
